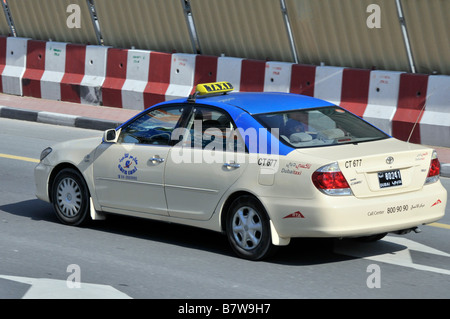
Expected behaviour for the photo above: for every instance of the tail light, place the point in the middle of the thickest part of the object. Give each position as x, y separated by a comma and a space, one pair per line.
434, 170
330, 180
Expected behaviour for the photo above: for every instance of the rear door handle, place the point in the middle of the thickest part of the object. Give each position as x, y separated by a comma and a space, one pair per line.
232, 165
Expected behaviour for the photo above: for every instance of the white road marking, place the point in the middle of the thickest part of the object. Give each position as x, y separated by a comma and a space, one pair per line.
43, 288
392, 250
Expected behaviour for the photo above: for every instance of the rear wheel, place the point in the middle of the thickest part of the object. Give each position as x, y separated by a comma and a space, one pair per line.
248, 229
70, 197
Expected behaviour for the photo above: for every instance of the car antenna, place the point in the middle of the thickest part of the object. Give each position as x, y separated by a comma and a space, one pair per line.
418, 117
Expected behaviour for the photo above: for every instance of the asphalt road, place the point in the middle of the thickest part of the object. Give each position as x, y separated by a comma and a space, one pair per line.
133, 258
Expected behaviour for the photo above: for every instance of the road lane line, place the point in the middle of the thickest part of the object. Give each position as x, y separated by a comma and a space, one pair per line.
20, 158
440, 225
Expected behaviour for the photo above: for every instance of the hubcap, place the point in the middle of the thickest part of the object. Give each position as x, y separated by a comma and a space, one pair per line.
247, 228
69, 197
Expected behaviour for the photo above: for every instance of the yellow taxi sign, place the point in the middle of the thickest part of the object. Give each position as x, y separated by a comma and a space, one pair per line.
213, 88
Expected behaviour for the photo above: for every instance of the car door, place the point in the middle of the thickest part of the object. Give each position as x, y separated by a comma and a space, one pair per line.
204, 165
129, 174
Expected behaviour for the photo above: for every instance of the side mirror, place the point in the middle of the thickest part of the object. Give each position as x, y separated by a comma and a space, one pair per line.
110, 136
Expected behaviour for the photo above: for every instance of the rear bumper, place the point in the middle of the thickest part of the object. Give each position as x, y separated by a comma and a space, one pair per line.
348, 216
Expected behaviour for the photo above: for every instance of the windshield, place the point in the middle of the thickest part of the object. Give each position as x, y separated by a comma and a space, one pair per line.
319, 127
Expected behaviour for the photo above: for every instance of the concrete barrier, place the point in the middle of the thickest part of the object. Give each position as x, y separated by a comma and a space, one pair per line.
116, 74
15, 64
205, 70
410, 106
158, 78
435, 122
2, 57
355, 90
252, 75
382, 99
328, 83
229, 69
94, 75
277, 77
303, 79
35, 67
73, 73
55, 65
182, 71
138, 63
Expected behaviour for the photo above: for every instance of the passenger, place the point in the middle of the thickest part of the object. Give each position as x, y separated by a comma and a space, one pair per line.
297, 123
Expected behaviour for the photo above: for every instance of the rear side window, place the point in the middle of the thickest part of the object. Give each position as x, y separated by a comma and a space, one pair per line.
319, 127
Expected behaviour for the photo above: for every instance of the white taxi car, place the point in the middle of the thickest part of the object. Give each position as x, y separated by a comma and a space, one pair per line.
261, 167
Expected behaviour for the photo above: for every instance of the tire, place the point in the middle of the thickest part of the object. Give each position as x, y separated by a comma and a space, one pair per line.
70, 198
248, 229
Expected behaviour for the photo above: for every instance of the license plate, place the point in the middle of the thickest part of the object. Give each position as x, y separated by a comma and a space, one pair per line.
390, 178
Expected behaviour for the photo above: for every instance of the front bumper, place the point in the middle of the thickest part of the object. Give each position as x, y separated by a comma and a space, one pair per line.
348, 216
41, 179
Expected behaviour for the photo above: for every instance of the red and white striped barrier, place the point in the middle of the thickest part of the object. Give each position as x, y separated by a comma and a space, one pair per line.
55, 65
94, 74
277, 77
158, 78
182, 70
435, 122
73, 73
382, 100
229, 69
138, 64
355, 90
15, 63
35, 68
407, 106
410, 106
303, 79
2, 57
116, 73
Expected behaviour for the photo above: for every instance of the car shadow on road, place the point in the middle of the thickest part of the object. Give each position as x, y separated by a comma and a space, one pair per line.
301, 251
310, 251
35, 209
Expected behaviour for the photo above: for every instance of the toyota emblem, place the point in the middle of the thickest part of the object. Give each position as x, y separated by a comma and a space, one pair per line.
389, 160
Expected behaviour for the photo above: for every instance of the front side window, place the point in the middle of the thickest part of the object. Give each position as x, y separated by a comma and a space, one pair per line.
320, 127
154, 127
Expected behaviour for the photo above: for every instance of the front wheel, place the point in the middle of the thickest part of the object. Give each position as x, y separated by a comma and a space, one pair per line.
248, 229
70, 197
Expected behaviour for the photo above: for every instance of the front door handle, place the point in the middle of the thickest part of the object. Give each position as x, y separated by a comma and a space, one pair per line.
156, 159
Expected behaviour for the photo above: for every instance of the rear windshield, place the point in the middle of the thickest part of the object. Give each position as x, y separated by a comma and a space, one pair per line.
319, 127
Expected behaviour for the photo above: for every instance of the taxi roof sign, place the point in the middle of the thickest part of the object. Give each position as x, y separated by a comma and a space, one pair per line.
211, 88
214, 87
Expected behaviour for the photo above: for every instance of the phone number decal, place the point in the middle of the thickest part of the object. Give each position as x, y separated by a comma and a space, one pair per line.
396, 209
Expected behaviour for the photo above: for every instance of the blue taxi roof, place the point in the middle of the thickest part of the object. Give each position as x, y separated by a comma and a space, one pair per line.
265, 102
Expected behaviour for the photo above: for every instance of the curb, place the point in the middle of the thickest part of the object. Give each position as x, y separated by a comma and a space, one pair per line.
57, 119
89, 123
